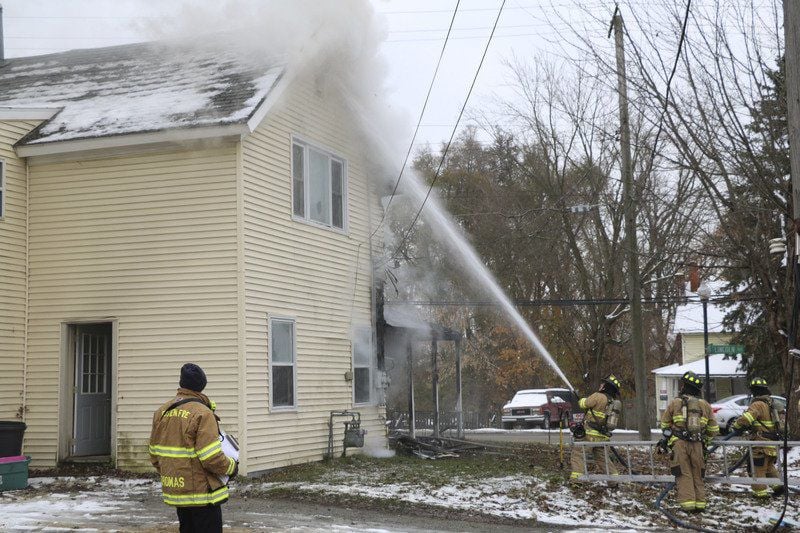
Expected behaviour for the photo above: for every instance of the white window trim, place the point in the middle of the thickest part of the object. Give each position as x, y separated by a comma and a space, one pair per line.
270, 319
306, 143
3, 188
372, 368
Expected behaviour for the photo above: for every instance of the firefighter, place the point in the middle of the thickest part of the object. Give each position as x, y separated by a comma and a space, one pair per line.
186, 451
763, 420
603, 410
688, 425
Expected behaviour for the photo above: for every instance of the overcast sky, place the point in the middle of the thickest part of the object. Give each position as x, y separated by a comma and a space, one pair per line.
415, 34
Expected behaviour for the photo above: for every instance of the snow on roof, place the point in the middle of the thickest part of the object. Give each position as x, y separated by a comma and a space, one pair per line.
689, 317
717, 366
138, 88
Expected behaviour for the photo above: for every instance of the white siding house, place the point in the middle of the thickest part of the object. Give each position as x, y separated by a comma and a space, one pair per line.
152, 215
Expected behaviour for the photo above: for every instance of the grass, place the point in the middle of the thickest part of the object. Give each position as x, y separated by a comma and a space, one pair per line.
539, 461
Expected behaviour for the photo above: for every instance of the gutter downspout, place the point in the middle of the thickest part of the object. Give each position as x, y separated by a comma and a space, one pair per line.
2, 52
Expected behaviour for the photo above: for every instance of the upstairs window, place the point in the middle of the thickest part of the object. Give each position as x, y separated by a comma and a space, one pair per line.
318, 185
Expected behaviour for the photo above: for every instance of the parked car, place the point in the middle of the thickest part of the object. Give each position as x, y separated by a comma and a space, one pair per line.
539, 407
727, 410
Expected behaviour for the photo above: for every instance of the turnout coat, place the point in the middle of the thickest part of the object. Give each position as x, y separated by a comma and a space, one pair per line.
186, 450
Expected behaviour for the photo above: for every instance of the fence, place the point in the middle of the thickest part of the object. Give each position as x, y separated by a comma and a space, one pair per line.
447, 420
642, 465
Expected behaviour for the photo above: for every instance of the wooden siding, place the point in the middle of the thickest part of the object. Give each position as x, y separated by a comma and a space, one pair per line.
150, 242
693, 345
13, 274
295, 269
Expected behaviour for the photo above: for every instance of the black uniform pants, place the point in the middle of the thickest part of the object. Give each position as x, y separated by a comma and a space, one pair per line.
206, 519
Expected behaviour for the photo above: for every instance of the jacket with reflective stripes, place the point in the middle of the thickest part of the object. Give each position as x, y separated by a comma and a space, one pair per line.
595, 420
673, 418
186, 450
758, 418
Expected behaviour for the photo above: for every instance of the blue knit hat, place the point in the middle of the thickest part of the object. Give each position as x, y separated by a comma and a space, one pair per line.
193, 377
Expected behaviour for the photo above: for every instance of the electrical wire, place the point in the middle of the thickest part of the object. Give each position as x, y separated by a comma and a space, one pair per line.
578, 302
791, 351
419, 121
453, 133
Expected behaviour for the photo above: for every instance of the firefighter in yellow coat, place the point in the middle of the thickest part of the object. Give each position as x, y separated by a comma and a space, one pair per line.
603, 411
186, 450
764, 421
688, 426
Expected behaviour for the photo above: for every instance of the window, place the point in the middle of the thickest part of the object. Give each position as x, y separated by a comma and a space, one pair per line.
318, 185
2, 188
282, 362
362, 365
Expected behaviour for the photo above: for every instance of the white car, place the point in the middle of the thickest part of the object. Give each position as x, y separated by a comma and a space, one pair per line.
727, 410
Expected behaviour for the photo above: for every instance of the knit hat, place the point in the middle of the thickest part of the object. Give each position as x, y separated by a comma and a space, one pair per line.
193, 377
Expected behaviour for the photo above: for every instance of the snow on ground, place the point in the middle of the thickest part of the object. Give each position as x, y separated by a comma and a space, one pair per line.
67, 503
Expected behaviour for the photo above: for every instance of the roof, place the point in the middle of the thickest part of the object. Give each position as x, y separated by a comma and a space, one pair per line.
718, 366
408, 321
689, 316
138, 88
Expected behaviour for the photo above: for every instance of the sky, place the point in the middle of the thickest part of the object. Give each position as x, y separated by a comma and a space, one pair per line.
414, 34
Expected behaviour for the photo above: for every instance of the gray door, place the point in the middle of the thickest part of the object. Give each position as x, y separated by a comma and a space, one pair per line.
92, 433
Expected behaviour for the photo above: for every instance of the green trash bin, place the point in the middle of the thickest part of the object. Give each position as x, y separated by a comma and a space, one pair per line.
14, 475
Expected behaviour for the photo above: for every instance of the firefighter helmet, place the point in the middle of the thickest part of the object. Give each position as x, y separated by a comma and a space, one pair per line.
692, 379
613, 383
759, 386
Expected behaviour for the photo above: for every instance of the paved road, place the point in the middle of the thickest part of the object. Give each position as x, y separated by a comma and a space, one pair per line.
538, 436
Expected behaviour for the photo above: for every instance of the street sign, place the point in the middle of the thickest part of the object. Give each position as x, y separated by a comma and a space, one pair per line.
727, 349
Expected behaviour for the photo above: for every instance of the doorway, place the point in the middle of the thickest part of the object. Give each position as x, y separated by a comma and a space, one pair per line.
91, 387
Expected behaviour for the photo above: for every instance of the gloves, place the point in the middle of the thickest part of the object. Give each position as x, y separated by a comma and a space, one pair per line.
663, 446
736, 430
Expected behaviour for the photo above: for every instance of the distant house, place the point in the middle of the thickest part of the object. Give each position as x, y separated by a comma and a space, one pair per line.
727, 377
160, 204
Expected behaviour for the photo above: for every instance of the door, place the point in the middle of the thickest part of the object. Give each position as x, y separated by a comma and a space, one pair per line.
92, 428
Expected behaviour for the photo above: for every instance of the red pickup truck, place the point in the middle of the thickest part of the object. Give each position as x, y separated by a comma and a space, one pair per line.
540, 407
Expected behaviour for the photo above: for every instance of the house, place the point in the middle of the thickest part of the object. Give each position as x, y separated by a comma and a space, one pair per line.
726, 373
165, 203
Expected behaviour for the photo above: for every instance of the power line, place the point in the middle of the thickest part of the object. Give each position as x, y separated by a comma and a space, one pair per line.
453, 133
419, 121
556, 302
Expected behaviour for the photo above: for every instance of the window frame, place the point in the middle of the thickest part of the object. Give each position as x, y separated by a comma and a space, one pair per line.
3, 192
270, 320
332, 155
371, 366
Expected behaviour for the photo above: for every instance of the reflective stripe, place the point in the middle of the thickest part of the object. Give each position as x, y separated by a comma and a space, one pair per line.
231, 466
172, 451
761, 493
665, 425
700, 505
688, 505
179, 500
678, 418
750, 418
209, 451
672, 440
582, 403
597, 414
595, 433
575, 475
703, 420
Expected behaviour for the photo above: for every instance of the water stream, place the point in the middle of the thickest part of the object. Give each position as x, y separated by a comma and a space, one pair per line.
448, 233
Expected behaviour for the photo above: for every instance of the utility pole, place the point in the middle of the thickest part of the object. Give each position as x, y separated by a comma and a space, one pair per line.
791, 28
631, 242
